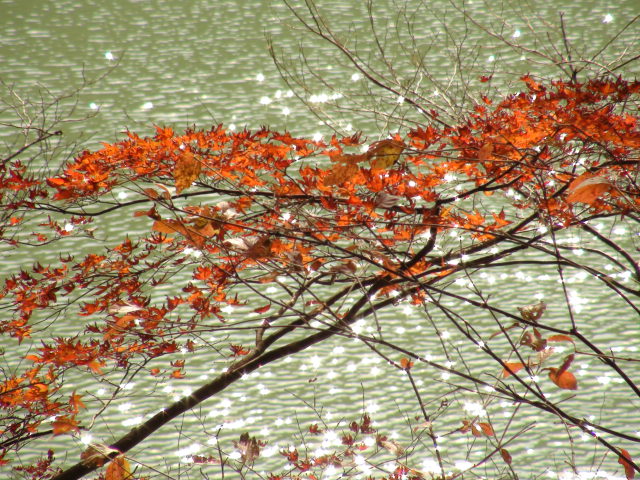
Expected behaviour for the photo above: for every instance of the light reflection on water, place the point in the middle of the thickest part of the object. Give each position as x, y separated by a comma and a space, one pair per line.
205, 62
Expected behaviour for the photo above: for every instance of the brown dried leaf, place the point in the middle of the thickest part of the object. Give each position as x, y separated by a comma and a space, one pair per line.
186, 170
385, 200
393, 447
506, 456
175, 226
260, 249
168, 226
347, 267
97, 454
248, 447
533, 312
350, 158
341, 173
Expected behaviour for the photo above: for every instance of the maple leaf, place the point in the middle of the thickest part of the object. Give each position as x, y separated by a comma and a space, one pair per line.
533, 312
486, 429
238, 350
248, 447
75, 402
405, 363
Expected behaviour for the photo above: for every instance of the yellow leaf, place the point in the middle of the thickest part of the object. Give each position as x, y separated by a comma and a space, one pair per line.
384, 153
186, 170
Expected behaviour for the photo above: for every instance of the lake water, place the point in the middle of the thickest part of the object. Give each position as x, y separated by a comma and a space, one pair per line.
206, 62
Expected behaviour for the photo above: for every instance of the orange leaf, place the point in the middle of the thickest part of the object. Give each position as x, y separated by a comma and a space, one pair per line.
63, 425
186, 171
563, 379
96, 366
405, 363
75, 402
587, 188
560, 338
511, 368
484, 152
486, 429
625, 460
475, 219
167, 226
118, 469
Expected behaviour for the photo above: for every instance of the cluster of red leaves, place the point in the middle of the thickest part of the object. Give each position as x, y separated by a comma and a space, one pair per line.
284, 210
